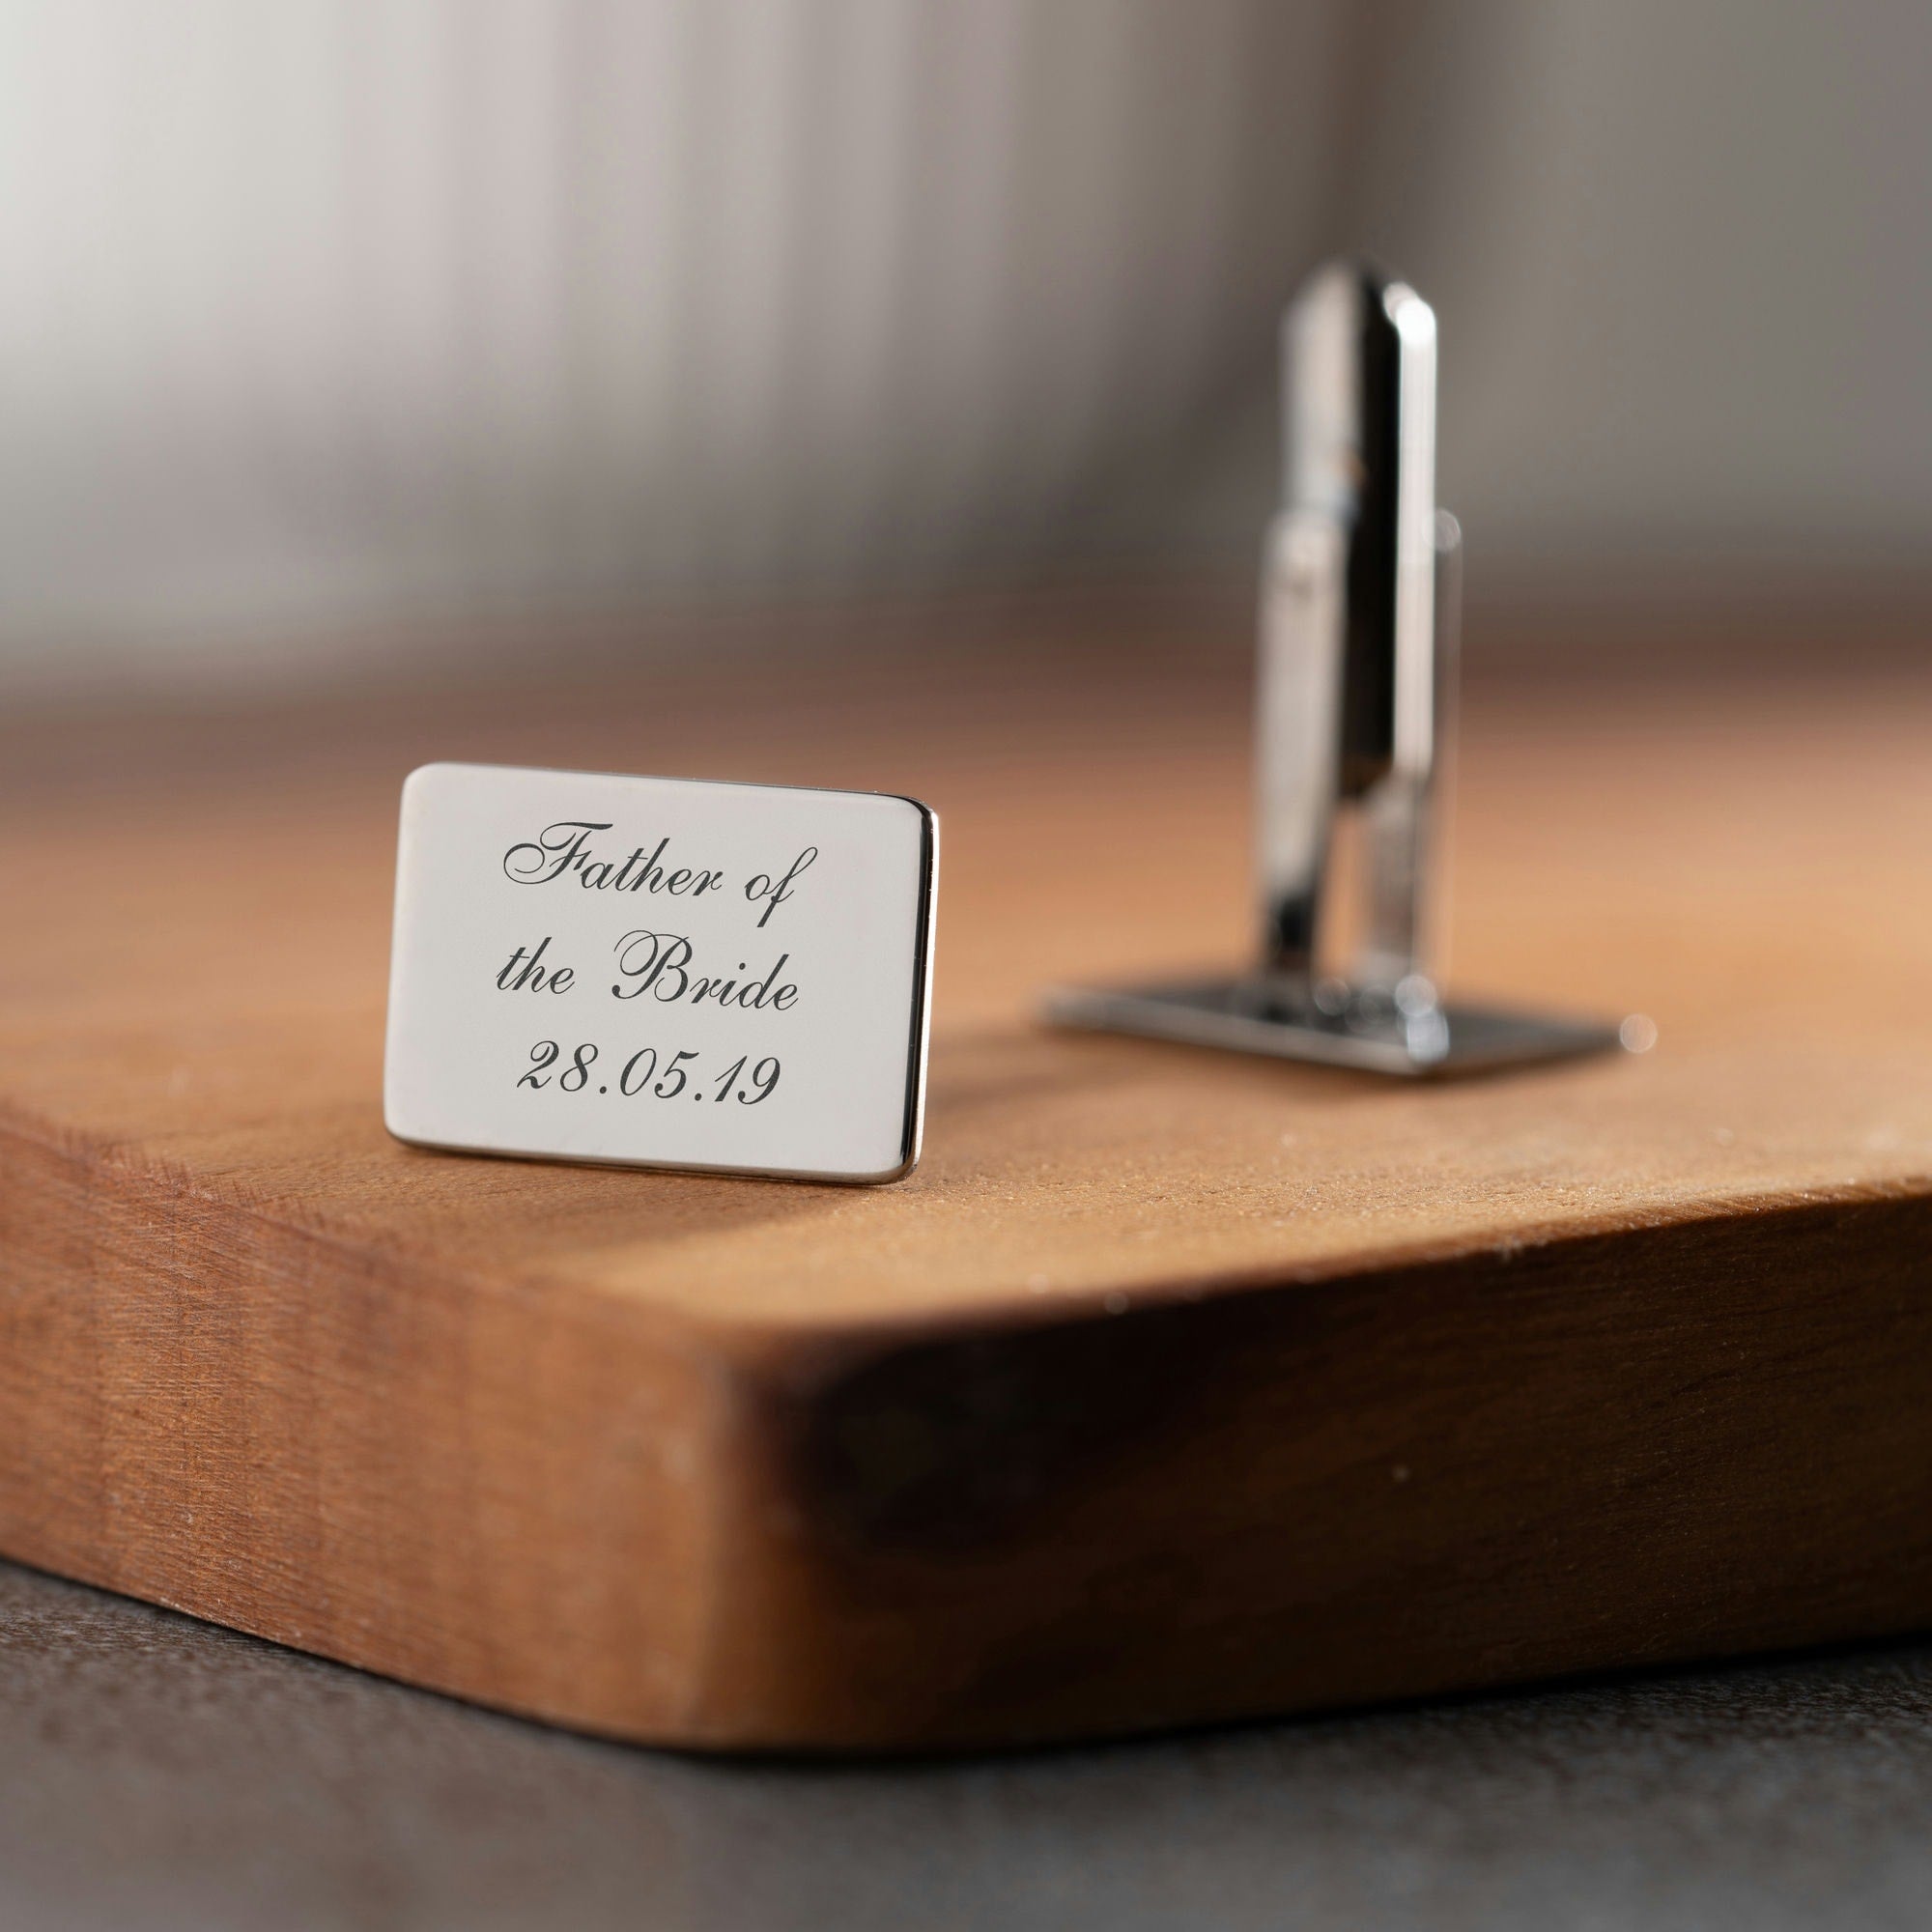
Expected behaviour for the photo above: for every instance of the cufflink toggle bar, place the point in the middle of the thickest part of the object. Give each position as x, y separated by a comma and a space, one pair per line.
1359, 594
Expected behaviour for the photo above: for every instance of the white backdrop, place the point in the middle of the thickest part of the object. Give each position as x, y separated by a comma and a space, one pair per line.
335, 313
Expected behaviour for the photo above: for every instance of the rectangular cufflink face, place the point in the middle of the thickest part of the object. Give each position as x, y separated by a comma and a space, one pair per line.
661, 972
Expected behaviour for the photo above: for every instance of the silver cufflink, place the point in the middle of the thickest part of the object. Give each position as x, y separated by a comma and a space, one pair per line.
1361, 588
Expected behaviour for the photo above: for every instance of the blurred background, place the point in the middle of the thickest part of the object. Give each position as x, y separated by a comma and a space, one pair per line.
340, 334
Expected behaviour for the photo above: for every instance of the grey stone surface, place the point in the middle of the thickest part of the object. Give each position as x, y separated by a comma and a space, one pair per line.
157, 1773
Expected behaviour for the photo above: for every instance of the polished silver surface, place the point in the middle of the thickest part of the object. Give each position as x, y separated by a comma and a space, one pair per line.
1347, 684
1372, 1036
1359, 609
747, 992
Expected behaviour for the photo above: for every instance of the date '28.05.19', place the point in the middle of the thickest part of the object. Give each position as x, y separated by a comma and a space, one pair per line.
642, 1074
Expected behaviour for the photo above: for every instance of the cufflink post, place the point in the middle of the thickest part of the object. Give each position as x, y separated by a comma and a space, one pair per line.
1361, 592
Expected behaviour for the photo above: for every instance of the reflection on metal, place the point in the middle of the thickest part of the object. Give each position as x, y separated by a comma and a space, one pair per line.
1360, 598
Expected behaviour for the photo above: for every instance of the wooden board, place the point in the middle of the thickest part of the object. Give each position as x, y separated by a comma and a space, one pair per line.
1172, 1387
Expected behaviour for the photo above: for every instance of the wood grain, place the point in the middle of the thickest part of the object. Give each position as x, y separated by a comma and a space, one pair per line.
1171, 1387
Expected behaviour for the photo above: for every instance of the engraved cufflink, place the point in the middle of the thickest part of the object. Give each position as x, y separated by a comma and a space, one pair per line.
1359, 592
648, 972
